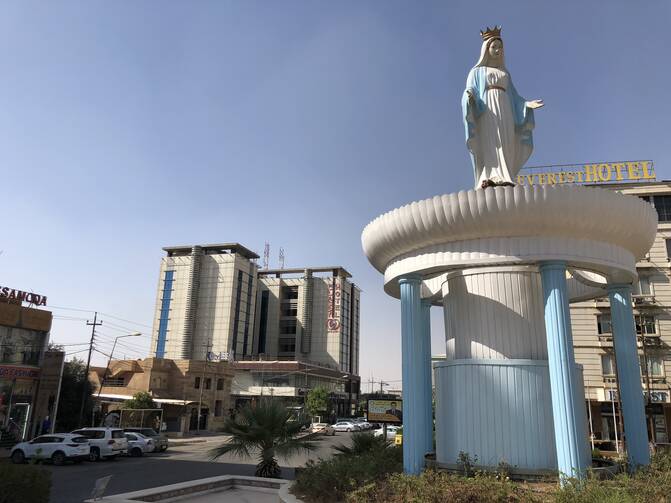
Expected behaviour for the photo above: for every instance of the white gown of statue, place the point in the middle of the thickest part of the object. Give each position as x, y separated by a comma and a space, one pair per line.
498, 147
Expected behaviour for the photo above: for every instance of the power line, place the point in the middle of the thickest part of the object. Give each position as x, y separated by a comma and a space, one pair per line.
127, 321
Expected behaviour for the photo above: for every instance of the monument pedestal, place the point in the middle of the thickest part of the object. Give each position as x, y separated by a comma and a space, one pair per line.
498, 262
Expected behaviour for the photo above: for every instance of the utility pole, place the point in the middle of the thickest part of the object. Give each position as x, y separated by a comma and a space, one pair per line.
88, 364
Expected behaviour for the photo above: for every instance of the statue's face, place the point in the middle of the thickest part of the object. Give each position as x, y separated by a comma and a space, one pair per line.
496, 48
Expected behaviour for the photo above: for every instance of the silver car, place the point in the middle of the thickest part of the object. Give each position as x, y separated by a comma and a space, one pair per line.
346, 426
138, 444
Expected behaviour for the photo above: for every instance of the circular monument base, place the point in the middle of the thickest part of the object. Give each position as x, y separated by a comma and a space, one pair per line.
498, 411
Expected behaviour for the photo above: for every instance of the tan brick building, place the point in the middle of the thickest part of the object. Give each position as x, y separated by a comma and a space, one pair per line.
592, 338
29, 375
177, 386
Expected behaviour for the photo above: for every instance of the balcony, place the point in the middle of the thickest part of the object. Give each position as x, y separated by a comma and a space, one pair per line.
641, 300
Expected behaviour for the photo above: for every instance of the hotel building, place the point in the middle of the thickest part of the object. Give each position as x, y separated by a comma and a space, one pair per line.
205, 302
593, 342
214, 303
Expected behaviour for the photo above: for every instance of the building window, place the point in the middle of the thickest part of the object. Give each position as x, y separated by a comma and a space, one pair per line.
236, 320
248, 313
197, 383
164, 315
264, 321
645, 324
642, 286
655, 365
603, 324
287, 345
607, 365
663, 207
217, 408
668, 249
208, 383
289, 309
289, 292
288, 327
220, 384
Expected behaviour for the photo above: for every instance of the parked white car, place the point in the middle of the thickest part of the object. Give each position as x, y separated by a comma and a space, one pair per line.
138, 444
323, 428
57, 448
107, 443
346, 426
391, 432
365, 425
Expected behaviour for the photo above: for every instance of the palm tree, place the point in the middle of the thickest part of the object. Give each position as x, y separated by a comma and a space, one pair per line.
363, 443
267, 430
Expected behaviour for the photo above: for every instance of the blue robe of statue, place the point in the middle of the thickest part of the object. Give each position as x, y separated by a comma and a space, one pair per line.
498, 125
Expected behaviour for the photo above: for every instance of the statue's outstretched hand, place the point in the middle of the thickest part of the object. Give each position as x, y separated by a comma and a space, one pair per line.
534, 104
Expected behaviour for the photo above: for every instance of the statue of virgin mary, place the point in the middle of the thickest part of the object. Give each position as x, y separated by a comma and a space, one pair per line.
498, 121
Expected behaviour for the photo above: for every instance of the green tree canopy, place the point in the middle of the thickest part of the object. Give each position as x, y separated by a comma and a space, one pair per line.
317, 401
140, 400
73, 384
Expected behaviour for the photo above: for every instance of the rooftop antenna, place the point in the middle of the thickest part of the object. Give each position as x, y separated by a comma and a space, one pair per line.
281, 258
266, 255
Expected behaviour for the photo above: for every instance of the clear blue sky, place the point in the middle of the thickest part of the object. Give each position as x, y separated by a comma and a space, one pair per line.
131, 125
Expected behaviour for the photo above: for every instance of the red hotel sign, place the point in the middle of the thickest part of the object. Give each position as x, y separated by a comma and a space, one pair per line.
21, 296
333, 319
11, 372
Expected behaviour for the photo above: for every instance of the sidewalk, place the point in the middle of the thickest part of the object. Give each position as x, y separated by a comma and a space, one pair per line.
198, 439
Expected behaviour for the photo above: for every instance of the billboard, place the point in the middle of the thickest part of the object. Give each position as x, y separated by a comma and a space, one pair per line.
385, 411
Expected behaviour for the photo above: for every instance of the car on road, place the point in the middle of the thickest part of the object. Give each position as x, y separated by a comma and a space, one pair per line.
138, 444
160, 439
361, 421
323, 428
106, 443
391, 432
346, 426
57, 448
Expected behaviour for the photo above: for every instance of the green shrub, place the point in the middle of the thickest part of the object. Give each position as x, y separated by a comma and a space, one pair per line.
330, 480
433, 486
24, 484
649, 484
363, 443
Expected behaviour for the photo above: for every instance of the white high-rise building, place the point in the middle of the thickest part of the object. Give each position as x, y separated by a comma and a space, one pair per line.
205, 302
213, 298
308, 314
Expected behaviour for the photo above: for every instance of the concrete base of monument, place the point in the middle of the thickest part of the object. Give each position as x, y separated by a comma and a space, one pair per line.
497, 411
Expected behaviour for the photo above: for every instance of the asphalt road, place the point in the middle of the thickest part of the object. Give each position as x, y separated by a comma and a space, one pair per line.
73, 483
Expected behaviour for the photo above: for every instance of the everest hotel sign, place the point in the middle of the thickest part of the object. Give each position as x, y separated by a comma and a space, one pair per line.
605, 172
7, 293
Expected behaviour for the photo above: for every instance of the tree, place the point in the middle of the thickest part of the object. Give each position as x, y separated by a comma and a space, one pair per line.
363, 443
72, 386
317, 401
140, 400
266, 430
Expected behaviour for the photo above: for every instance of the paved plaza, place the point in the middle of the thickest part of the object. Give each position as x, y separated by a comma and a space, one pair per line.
73, 483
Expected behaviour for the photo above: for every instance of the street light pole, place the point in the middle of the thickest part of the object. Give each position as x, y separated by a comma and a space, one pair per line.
109, 360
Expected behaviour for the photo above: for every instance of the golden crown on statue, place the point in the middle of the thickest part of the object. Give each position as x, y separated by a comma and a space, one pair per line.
490, 33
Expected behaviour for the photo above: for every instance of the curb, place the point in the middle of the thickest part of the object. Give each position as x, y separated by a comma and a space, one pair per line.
286, 496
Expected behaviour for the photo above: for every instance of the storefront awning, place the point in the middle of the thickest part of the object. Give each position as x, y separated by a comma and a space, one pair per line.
123, 398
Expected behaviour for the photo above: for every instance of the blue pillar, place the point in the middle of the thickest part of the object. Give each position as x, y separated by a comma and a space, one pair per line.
567, 410
427, 404
412, 371
629, 375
